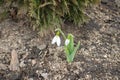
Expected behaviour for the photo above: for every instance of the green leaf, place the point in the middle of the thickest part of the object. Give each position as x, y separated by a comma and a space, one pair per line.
71, 57
71, 43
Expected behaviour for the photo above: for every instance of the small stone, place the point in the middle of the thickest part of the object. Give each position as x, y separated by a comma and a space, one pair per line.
88, 77
45, 75
117, 2
24, 56
30, 79
105, 56
33, 62
41, 47
60, 48
22, 64
3, 66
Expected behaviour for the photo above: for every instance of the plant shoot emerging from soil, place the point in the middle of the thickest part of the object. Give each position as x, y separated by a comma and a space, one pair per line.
69, 48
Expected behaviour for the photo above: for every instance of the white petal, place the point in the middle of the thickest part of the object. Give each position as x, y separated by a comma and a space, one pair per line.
58, 41
54, 40
67, 41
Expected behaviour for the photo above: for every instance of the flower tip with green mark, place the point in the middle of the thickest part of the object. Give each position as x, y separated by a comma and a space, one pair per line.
67, 41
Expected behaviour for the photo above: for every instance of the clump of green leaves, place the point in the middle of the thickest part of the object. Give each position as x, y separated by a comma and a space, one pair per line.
52, 13
3, 15
47, 13
43, 13
1, 1
69, 48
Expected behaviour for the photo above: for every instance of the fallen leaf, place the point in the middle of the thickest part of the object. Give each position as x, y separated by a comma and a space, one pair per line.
14, 64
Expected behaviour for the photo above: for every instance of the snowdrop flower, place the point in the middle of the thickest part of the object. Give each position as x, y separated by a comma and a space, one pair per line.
56, 40
67, 41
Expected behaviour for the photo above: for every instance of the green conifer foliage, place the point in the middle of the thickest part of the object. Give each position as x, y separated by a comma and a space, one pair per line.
51, 13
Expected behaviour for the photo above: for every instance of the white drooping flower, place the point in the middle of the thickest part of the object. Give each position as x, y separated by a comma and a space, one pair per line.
67, 41
56, 40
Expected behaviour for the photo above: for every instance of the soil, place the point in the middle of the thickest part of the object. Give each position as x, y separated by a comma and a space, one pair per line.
98, 57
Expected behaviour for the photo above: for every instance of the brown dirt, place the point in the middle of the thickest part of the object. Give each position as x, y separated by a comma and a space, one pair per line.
97, 59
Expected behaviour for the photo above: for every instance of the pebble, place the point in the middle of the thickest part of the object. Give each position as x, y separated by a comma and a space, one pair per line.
33, 62
117, 2
45, 75
30, 79
41, 47
3, 66
22, 64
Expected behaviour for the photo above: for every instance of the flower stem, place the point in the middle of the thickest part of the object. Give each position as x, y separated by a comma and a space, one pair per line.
58, 29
